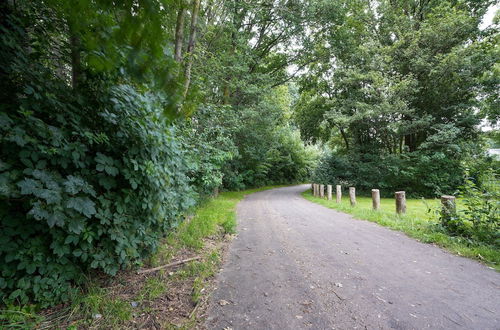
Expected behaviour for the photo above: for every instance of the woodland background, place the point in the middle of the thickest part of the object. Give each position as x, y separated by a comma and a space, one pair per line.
117, 118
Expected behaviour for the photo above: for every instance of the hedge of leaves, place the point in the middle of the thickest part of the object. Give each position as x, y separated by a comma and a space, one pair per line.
75, 197
89, 179
97, 160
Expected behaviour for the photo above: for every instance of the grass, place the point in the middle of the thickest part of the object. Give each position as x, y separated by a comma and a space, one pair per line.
100, 309
419, 222
116, 303
154, 288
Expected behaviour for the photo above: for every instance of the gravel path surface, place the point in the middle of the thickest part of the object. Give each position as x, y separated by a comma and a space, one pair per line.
299, 265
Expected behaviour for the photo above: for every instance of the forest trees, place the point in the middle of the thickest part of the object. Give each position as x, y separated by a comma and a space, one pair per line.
239, 73
401, 100
118, 117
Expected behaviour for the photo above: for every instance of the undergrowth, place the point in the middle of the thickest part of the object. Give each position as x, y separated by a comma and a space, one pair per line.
99, 305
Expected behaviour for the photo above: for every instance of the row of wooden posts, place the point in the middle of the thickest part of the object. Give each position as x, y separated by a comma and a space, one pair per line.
318, 190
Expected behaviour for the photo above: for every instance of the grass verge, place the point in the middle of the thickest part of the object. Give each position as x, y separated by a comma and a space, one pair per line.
171, 298
419, 222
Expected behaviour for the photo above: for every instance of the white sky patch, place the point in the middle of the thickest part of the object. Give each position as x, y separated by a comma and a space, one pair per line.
488, 17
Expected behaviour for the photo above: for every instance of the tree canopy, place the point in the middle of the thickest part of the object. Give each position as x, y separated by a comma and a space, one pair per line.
118, 117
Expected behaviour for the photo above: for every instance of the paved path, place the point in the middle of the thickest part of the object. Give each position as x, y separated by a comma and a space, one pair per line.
299, 265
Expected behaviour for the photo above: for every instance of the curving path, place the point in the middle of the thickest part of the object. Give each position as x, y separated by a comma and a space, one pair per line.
299, 265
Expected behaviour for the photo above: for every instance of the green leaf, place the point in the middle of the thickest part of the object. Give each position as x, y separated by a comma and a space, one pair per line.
29, 186
30, 268
56, 218
76, 225
82, 205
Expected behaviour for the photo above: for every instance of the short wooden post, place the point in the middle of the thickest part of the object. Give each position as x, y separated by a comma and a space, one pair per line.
338, 193
329, 192
400, 202
352, 195
376, 199
314, 190
322, 191
448, 205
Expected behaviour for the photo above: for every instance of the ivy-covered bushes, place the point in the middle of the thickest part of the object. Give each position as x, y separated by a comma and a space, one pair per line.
90, 177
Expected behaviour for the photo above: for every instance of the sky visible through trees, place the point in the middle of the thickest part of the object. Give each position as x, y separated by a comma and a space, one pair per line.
119, 117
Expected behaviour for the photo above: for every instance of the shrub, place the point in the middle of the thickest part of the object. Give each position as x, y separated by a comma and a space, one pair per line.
419, 174
78, 195
90, 177
479, 220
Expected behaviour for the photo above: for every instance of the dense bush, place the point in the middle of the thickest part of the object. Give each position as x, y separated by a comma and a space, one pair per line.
208, 138
419, 174
78, 194
90, 177
479, 219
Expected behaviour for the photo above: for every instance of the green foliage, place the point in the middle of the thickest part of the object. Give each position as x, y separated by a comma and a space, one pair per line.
97, 161
241, 79
91, 177
400, 102
479, 219
208, 139
419, 174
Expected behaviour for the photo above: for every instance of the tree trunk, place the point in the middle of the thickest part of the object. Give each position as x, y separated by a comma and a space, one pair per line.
179, 33
344, 136
191, 44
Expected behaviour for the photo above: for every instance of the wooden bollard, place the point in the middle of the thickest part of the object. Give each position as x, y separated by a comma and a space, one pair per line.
376, 199
448, 206
338, 193
352, 195
312, 189
400, 202
322, 191
329, 192
315, 190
